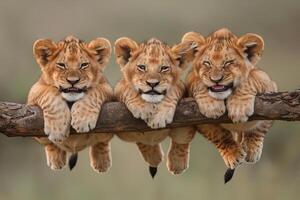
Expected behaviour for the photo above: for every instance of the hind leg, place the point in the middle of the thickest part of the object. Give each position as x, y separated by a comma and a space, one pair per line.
179, 150
56, 158
231, 151
100, 157
253, 141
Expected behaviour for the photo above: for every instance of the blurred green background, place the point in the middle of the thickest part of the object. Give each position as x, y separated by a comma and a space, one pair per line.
23, 171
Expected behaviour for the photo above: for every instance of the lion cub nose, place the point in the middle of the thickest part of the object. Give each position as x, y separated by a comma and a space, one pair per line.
216, 79
73, 80
152, 82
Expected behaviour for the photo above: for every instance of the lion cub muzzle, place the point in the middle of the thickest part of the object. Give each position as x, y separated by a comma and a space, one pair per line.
154, 94
219, 90
73, 92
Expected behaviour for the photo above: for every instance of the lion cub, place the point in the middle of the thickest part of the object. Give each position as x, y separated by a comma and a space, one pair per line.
151, 88
71, 91
225, 77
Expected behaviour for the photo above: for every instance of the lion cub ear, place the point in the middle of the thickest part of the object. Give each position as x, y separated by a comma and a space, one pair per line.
43, 49
193, 37
252, 45
101, 48
184, 53
186, 50
124, 47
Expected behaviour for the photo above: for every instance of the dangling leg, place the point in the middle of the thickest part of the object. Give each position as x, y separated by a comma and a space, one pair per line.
179, 150
253, 141
56, 158
100, 157
230, 150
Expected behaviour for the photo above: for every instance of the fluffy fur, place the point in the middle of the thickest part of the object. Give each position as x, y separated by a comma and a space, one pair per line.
72, 74
150, 88
225, 77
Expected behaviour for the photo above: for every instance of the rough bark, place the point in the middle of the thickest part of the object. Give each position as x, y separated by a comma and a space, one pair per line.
21, 120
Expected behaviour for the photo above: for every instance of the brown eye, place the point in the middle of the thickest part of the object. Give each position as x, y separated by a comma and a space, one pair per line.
206, 63
164, 68
141, 68
84, 65
61, 65
228, 63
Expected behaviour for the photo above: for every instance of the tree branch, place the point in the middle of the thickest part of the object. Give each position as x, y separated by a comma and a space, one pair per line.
21, 120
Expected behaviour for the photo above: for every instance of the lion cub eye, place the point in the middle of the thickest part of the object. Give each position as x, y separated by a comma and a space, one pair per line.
141, 68
164, 68
84, 65
61, 65
229, 62
206, 63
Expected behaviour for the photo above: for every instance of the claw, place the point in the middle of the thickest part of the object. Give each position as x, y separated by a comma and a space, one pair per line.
228, 175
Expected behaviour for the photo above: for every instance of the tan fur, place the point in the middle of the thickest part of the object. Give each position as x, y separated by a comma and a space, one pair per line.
160, 65
62, 62
226, 60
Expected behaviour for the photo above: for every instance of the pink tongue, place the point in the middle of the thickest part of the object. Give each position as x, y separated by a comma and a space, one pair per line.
218, 87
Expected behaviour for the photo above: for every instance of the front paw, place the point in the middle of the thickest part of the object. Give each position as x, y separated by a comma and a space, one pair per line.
139, 113
84, 122
214, 109
239, 113
57, 130
161, 119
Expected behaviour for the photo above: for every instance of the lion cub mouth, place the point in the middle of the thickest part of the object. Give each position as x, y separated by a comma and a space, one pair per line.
72, 90
153, 96
154, 92
220, 88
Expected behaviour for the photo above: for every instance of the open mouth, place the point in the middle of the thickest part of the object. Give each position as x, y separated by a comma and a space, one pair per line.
72, 90
154, 92
220, 88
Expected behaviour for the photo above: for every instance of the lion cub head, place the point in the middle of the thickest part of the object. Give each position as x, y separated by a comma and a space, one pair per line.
151, 67
223, 60
71, 65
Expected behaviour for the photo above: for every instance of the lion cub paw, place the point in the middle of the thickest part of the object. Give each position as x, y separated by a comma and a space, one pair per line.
141, 113
212, 110
161, 119
239, 113
253, 154
178, 159
101, 166
233, 157
84, 123
83, 120
57, 130
100, 159
56, 158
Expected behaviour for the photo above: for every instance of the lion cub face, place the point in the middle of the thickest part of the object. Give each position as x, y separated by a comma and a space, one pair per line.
151, 67
71, 65
223, 60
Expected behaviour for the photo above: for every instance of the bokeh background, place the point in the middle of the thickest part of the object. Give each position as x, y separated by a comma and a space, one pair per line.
23, 171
